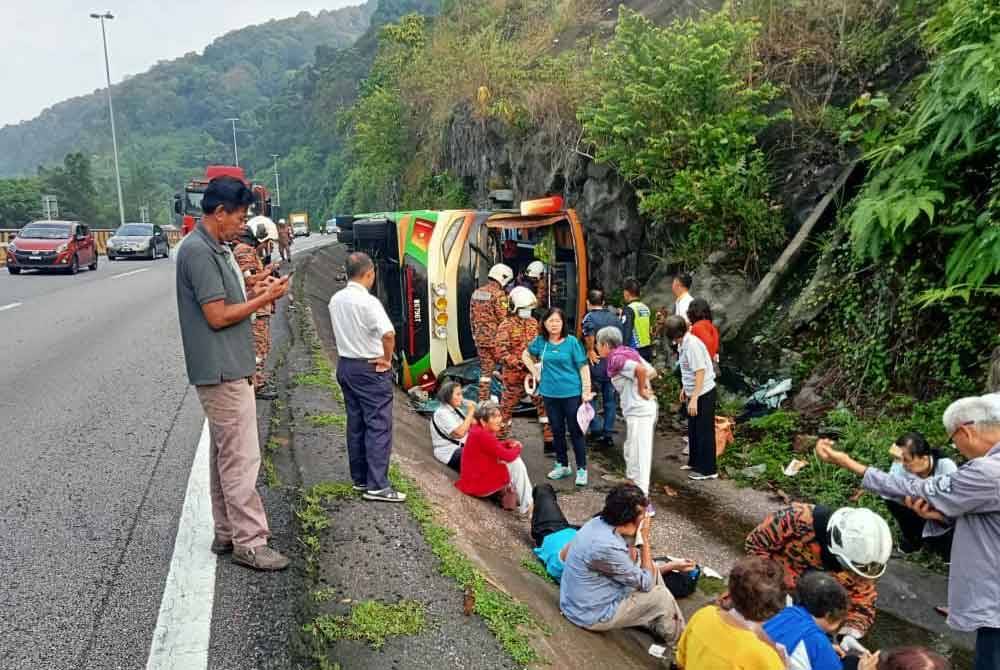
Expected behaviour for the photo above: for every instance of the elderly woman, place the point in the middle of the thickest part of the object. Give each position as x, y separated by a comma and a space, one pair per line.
490, 465
698, 394
450, 424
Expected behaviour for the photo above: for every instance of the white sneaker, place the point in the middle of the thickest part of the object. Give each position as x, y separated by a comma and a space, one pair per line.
698, 477
685, 467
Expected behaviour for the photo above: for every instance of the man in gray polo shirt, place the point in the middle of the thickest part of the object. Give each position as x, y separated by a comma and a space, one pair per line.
215, 318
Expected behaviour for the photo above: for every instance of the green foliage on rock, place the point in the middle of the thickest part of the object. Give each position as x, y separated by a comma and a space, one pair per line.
934, 180
679, 115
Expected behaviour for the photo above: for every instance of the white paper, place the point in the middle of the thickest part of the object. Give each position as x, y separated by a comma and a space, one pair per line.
657, 650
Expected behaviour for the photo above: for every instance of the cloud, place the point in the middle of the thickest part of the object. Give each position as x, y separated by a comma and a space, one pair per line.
52, 49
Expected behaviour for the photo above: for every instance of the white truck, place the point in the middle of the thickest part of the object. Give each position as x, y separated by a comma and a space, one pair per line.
300, 224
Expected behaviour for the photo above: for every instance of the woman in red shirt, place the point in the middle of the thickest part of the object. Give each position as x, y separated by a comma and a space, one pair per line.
700, 318
489, 464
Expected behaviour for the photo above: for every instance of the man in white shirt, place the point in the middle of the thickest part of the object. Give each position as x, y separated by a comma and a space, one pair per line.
681, 288
365, 340
699, 395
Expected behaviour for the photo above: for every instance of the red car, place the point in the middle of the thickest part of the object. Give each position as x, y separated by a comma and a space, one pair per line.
52, 245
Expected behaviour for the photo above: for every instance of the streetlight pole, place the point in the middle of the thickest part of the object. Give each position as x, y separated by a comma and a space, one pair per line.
111, 113
236, 151
277, 184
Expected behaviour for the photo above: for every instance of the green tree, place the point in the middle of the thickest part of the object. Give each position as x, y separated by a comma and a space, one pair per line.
73, 184
20, 201
679, 115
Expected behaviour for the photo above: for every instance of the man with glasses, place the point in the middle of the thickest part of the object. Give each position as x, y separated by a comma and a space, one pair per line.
968, 499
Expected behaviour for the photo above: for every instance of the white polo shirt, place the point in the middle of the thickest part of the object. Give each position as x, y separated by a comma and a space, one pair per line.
681, 306
359, 322
693, 356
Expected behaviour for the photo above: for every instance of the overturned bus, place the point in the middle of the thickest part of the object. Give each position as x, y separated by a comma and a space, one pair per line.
428, 263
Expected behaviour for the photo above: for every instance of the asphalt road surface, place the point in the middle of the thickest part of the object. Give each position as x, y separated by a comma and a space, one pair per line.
99, 431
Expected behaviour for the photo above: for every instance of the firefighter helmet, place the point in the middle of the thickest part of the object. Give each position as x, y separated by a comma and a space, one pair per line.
501, 273
535, 270
262, 228
522, 298
861, 541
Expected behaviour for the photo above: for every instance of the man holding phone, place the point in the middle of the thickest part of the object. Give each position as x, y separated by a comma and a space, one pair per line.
215, 320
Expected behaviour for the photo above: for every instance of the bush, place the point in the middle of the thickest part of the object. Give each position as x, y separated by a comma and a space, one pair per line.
679, 115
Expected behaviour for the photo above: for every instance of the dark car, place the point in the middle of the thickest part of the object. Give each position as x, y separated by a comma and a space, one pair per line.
143, 240
52, 245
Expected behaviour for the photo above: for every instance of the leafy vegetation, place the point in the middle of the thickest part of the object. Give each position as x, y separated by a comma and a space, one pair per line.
933, 180
328, 419
679, 117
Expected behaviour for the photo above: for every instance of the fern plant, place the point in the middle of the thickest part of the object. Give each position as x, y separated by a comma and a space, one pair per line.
936, 177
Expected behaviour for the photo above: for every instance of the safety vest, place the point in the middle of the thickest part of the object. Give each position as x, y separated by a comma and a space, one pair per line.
641, 324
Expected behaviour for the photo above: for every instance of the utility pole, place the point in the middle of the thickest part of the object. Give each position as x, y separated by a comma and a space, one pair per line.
236, 150
50, 204
144, 214
111, 112
277, 184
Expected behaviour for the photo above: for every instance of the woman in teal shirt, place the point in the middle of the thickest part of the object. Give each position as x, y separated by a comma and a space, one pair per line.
562, 372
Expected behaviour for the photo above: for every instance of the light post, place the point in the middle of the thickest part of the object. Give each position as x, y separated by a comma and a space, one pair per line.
236, 151
277, 184
111, 112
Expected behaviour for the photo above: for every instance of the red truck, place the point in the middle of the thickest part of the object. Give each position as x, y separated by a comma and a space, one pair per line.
188, 205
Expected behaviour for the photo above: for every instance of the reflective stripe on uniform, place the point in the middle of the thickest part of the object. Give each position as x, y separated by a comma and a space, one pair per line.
641, 324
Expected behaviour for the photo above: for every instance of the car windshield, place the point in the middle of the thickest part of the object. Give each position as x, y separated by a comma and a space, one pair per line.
135, 230
46, 231
192, 202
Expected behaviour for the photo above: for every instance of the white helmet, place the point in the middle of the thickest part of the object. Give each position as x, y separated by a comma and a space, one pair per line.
535, 270
501, 273
281, 221
522, 298
262, 228
861, 541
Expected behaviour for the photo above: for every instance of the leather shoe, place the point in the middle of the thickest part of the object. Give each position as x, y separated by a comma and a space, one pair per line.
262, 558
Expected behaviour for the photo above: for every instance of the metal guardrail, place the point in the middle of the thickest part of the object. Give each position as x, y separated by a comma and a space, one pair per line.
100, 237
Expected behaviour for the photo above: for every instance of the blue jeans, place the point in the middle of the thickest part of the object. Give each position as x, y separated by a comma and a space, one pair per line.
562, 415
609, 405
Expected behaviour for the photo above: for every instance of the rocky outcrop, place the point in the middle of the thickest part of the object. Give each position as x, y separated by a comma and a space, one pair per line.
487, 155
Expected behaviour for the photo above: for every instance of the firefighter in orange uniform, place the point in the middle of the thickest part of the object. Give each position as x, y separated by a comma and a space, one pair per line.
247, 254
513, 336
488, 308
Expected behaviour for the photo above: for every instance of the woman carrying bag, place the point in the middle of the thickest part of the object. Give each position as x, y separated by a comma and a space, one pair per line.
561, 370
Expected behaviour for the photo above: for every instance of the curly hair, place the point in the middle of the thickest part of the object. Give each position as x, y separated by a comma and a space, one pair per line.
623, 505
757, 588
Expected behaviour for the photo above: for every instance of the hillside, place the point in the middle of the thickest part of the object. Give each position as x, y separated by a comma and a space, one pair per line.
252, 65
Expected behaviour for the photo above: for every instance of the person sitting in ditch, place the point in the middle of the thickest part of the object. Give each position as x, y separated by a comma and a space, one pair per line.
490, 465
602, 588
450, 424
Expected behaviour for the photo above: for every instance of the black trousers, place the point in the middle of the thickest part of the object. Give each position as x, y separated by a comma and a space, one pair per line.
701, 435
546, 515
912, 527
988, 649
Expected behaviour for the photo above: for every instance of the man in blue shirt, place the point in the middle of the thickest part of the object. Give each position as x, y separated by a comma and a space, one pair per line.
599, 316
602, 588
804, 629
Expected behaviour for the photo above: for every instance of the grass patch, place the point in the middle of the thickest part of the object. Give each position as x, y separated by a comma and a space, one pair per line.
531, 563
712, 587
323, 595
328, 419
313, 517
371, 622
267, 461
505, 617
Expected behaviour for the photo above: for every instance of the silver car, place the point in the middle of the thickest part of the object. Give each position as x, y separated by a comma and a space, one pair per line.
138, 240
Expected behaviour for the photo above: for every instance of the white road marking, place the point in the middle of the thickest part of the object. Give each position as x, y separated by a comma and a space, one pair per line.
183, 627
126, 274
12, 305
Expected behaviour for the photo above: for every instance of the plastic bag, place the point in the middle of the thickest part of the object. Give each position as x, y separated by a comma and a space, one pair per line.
584, 416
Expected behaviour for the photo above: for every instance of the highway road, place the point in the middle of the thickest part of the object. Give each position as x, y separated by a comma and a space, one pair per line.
99, 432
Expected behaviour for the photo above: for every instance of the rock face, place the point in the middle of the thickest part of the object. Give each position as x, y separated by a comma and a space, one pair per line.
486, 155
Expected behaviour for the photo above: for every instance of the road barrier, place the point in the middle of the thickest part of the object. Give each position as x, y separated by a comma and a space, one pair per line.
100, 237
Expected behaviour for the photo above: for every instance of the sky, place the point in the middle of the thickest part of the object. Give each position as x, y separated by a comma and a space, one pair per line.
52, 48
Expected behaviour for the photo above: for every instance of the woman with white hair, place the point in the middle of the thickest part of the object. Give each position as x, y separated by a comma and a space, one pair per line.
968, 499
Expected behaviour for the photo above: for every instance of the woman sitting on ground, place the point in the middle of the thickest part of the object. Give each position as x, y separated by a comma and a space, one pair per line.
912, 658
916, 458
450, 424
717, 639
489, 465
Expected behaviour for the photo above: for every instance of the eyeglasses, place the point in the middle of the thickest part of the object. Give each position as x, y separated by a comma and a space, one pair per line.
951, 438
